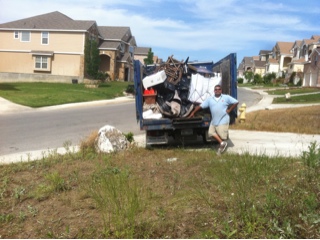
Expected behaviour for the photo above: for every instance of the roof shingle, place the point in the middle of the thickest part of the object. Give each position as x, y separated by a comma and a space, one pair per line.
285, 47
51, 21
115, 33
141, 50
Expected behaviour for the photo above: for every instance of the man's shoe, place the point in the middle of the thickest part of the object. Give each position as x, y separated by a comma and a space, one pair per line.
223, 146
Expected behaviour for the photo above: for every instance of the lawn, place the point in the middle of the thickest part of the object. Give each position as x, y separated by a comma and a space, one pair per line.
293, 91
306, 95
308, 98
50, 94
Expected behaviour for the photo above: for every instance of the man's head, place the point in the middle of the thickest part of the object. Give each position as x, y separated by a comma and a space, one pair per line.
217, 90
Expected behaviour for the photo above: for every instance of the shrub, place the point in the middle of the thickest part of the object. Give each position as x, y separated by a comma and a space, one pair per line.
102, 76
257, 79
311, 158
129, 136
269, 77
130, 89
240, 80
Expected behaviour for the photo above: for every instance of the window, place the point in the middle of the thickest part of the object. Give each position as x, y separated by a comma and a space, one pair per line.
122, 48
131, 50
45, 38
16, 34
25, 36
41, 62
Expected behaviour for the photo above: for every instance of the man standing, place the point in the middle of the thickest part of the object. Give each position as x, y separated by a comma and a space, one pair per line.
220, 106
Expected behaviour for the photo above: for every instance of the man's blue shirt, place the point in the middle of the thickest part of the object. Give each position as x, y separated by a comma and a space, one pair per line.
219, 108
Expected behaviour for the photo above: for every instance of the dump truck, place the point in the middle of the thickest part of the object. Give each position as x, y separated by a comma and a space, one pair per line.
165, 94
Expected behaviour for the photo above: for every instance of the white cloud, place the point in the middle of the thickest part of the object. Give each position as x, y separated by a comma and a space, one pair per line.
203, 27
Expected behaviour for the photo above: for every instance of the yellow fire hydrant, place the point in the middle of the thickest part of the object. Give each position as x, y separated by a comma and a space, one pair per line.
242, 111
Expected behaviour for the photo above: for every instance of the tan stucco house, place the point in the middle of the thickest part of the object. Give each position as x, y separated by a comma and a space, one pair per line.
282, 53
50, 47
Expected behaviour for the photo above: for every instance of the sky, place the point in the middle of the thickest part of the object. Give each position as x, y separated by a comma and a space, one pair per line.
203, 30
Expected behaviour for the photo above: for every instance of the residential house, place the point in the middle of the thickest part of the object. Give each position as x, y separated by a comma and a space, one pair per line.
259, 67
260, 64
301, 52
281, 57
307, 45
116, 52
157, 60
240, 70
140, 53
264, 55
312, 69
296, 64
272, 66
282, 53
50, 47
247, 63
45, 47
301, 59
253, 64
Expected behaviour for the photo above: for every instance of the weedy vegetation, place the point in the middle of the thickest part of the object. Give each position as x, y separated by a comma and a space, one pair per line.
142, 193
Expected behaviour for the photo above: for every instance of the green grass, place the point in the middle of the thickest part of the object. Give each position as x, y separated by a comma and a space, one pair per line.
293, 91
310, 98
278, 90
50, 94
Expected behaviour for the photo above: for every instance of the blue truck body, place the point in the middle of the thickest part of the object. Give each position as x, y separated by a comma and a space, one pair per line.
158, 131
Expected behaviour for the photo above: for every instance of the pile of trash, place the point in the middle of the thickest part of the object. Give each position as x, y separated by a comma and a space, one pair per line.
177, 87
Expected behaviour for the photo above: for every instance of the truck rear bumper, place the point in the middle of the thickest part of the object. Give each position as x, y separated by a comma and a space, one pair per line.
156, 137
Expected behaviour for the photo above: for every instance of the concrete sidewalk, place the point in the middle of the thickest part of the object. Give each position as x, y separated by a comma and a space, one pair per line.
253, 142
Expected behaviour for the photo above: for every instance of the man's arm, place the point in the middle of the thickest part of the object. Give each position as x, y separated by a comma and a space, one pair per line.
233, 106
194, 111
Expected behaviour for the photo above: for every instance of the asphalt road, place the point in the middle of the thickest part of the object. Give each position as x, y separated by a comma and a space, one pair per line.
51, 129
47, 129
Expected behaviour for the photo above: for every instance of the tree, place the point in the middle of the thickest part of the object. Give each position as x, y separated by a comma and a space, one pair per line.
149, 59
248, 75
92, 58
